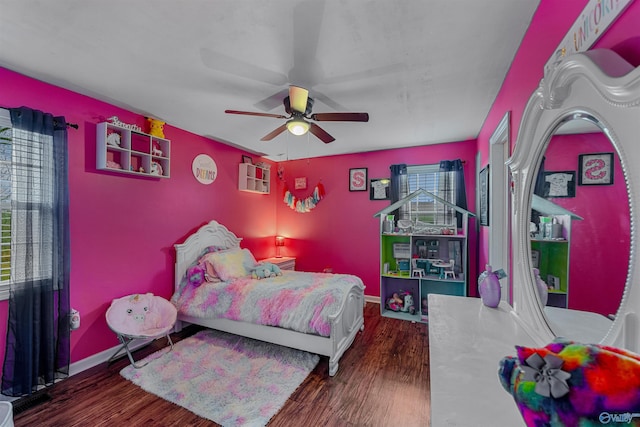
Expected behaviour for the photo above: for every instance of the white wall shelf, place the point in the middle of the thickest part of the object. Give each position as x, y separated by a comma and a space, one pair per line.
130, 152
254, 179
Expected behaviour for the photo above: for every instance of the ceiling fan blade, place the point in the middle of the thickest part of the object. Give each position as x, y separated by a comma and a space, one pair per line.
274, 133
273, 101
250, 113
320, 133
298, 98
220, 62
340, 117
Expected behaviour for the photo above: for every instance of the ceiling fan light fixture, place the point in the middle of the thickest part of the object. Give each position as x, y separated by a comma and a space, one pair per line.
298, 126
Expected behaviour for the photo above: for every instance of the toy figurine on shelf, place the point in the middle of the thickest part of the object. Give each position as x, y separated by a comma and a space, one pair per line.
408, 306
156, 168
113, 139
401, 301
155, 149
395, 303
113, 165
156, 127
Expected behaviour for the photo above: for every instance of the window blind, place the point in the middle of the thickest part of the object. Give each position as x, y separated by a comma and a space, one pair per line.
5, 196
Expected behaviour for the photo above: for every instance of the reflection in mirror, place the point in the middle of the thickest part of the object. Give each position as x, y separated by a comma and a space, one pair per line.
580, 230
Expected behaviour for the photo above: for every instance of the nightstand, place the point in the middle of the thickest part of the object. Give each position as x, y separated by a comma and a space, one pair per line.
285, 262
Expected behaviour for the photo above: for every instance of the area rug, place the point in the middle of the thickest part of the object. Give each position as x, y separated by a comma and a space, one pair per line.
225, 378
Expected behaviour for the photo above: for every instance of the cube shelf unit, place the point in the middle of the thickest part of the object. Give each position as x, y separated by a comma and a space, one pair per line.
254, 178
409, 262
135, 154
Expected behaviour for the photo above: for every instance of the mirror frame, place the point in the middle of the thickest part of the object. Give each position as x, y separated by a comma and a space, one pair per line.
597, 84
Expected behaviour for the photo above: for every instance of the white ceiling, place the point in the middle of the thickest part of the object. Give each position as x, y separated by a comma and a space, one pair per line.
426, 71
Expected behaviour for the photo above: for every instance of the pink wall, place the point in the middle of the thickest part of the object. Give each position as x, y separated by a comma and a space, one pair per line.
123, 228
341, 231
551, 22
600, 243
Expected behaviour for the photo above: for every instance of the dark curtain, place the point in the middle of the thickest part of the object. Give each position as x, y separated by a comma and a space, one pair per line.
397, 187
37, 345
456, 166
539, 190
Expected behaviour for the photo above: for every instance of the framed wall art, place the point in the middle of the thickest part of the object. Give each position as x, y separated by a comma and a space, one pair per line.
358, 179
560, 184
379, 189
595, 169
300, 183
247, 159
483, 192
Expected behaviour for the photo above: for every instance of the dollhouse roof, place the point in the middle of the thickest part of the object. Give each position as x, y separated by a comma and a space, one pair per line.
547, 207
420, 192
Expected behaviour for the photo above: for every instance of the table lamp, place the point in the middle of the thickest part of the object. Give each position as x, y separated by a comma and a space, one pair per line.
279, 244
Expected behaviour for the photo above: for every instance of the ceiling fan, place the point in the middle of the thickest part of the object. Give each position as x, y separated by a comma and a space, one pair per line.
298, 105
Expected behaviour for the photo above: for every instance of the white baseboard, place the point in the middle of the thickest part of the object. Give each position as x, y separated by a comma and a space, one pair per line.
372, 299
91, 361
103, 356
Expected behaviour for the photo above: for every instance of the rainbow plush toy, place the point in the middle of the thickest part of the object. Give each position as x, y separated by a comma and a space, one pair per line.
572, 384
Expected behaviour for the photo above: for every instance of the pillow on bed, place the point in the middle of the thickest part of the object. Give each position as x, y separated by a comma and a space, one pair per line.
210, 274
202, 271
233, 263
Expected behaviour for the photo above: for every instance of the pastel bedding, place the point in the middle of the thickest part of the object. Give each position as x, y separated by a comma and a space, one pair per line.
298, 301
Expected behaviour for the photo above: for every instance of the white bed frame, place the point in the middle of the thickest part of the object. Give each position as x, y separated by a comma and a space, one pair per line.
344, 325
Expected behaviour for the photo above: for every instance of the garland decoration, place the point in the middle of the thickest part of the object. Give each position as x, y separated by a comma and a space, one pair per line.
307, 204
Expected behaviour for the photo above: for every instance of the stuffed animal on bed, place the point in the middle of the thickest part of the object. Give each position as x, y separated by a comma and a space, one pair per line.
264, 270
572, 384
138, 314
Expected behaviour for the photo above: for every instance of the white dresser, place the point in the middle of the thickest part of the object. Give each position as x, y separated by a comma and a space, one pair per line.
467, 340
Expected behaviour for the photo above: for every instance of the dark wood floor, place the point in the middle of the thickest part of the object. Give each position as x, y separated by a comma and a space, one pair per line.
383, 380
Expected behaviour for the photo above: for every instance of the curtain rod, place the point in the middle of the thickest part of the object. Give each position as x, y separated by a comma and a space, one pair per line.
70, 125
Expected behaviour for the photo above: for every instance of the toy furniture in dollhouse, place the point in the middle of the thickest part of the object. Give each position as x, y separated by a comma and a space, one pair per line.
415, 271
450, 271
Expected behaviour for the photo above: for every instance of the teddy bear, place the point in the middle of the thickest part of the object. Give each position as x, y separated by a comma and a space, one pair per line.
569, 384
264, 270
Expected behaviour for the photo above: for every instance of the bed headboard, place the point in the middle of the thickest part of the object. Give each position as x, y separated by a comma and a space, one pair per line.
212, 234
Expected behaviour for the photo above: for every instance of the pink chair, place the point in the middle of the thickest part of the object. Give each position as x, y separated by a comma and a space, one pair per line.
140, 316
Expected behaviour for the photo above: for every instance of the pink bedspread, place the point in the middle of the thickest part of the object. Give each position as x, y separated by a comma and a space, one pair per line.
298, 301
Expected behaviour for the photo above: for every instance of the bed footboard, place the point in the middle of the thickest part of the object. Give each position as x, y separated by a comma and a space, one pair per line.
345, 325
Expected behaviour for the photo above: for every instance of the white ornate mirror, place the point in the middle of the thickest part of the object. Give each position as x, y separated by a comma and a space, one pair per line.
602, 90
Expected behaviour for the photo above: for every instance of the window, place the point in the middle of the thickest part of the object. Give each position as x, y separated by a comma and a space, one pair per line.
26, 205
5, 202
424, 208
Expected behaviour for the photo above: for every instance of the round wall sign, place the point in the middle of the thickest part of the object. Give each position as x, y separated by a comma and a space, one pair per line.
204, 169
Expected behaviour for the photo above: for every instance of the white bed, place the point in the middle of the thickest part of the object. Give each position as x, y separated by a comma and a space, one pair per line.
344, 325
